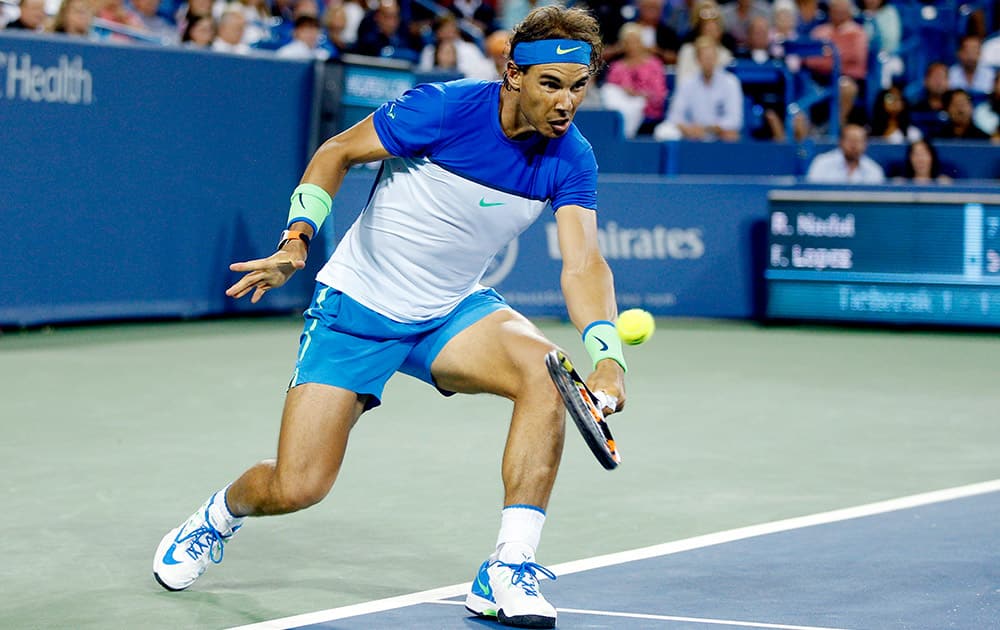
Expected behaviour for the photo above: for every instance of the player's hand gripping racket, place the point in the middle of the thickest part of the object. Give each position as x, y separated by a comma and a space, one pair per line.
585, 409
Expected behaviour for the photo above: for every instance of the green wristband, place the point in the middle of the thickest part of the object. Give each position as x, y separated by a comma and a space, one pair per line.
601, 340
311, 204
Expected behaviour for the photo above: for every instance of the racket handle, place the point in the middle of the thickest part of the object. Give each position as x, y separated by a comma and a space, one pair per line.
605, 400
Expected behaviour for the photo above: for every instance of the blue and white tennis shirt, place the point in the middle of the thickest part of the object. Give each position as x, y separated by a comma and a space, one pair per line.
456, 193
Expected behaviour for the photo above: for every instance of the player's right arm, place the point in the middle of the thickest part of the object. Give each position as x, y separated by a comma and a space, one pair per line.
326, 169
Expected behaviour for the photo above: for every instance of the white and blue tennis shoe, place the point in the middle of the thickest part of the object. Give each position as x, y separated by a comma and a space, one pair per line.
186, 551
509, 592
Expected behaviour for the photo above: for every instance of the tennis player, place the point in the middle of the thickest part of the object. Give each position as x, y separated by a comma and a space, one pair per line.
466, 167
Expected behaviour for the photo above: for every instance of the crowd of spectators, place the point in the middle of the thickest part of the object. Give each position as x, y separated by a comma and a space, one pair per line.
674, 68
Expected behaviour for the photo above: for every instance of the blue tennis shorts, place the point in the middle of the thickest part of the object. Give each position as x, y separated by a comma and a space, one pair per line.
348, 345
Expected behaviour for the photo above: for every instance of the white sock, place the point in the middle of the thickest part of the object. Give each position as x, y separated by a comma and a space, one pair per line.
220, 516
520, 533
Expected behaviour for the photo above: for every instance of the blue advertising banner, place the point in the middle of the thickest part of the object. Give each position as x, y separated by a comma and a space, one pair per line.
133, 175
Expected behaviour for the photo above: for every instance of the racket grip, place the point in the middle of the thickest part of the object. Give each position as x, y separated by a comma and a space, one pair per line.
605, 400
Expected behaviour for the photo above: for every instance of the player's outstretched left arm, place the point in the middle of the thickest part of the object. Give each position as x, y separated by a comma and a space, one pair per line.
588, 287
320, 183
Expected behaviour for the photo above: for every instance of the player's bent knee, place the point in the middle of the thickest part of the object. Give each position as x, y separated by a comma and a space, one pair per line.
300, 494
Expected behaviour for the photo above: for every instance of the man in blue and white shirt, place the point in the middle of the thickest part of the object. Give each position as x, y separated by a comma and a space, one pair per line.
467, 166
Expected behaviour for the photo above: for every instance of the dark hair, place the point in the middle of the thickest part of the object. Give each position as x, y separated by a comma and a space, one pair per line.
932, 65
880, 117
935, 163
950, 95
192, 21
555, 22
306, 19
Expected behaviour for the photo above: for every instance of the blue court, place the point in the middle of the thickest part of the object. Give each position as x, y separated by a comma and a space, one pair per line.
928, 561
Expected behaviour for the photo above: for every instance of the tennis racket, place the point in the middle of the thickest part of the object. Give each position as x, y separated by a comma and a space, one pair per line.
585, 408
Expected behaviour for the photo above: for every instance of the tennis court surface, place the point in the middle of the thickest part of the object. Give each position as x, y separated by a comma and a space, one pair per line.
733, 435
926, 561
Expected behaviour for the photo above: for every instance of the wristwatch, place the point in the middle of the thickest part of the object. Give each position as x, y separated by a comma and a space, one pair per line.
291, 235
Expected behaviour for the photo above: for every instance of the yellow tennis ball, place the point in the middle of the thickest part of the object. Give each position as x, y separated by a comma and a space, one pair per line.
635, 326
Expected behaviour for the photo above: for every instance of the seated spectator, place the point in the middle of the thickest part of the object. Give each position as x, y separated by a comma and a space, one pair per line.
657, 36
958, 104
153, 23
75, 18
927, 112
469, 60
884, 27
497, 49
851, 43
305, 41
445, 57
968, 73
334, 36
849, 39
190, 9
230, 35
757, 46
705, 106
199, 32
810, 16
739, 14
770, 96
847, 164
990, 53
477, 15
636, 85
785, 24
32, 17
708, 23
679, 16
891, 118
258, 21
382, 35
354, 12
922, 165
115, 11
986, 115
883, 24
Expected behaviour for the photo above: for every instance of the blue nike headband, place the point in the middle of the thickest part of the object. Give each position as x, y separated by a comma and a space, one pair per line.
552, 51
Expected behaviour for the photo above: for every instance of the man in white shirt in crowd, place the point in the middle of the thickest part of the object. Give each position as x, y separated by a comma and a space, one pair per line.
305, 41
970, 73
229, 39
706, 106
847, 164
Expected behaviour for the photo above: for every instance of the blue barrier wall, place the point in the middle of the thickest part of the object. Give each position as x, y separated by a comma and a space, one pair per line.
132, 176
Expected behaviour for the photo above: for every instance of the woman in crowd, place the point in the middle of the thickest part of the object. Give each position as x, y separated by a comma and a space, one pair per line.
199, 32
922, 165
635, 84
891, 118
707, 20
74, 17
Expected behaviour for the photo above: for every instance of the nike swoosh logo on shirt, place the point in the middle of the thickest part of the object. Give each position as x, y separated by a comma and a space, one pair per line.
486, 204
562, 51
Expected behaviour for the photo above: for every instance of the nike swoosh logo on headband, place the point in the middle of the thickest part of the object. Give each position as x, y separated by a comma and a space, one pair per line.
562, 51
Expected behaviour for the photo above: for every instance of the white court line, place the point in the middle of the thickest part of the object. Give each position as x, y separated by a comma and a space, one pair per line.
643, 553
705, 620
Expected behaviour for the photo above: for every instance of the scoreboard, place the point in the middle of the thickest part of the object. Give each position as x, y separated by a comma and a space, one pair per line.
899, 257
